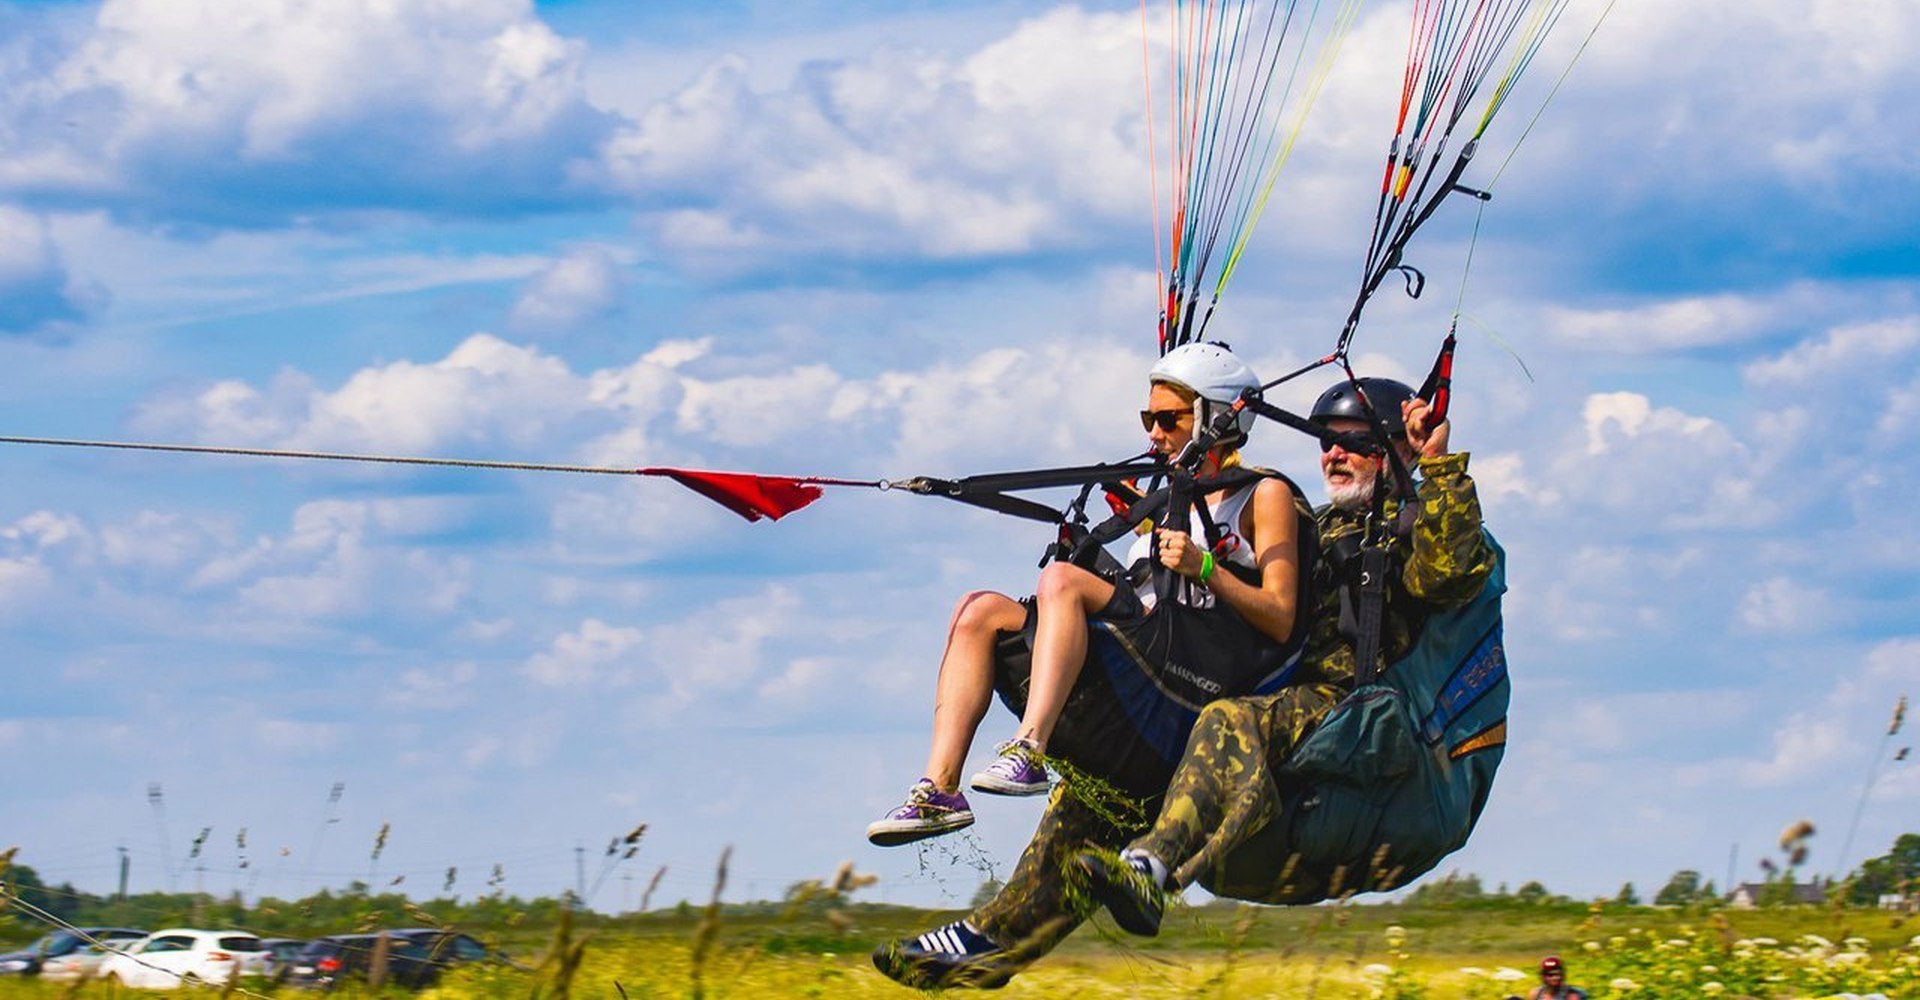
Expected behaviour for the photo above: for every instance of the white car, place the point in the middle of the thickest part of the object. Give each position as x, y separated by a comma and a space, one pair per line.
167, 958
84, 963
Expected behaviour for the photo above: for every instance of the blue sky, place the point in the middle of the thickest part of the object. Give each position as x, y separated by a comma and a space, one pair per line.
878, 240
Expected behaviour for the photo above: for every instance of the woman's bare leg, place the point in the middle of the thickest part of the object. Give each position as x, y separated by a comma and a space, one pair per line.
1066, 596
965, 688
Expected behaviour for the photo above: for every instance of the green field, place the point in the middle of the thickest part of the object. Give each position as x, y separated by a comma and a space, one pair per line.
1439, 952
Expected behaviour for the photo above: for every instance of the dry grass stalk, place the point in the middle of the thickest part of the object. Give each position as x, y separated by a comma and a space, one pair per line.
709, 929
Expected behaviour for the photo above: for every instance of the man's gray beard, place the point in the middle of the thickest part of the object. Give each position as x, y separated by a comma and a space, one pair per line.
1353, 497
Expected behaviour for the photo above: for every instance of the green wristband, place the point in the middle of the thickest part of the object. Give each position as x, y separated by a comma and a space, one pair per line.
1206, 567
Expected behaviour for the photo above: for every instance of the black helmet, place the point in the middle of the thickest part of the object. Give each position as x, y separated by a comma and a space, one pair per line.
1384, 394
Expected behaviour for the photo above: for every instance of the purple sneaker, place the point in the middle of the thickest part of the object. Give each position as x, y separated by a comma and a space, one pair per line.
1017, 772
928, 812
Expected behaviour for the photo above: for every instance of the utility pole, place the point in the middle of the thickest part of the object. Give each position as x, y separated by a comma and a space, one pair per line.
579, 877
123, 873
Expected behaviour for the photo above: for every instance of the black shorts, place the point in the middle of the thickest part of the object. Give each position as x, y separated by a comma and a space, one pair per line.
1146, 676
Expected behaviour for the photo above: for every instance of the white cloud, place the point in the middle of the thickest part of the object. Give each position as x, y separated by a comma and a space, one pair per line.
22, 580
992, 152
1501, 475
189, 104
581, 285
35, 287
802, 681
1784, 606
1853, 351
491, 395
1702, 321
594, 654
486, 388
290, 736
437, 689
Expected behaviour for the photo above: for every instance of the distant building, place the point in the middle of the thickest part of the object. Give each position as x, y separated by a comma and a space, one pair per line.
1749, 894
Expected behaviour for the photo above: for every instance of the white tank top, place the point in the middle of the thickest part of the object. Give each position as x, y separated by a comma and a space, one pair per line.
1234, 549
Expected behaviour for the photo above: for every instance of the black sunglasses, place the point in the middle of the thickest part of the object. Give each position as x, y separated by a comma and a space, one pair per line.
1353, 443
1167, 420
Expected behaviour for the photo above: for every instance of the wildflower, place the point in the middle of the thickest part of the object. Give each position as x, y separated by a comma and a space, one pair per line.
1396, 935
1591, 946
1709, 970
1472, 970
1712, 988
1506, 975
1376, 969
1623, 984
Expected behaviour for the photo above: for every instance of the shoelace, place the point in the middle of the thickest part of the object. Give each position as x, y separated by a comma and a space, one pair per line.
1013, 755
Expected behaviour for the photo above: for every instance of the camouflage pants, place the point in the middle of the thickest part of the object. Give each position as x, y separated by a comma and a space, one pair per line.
1226, 790
1222, 796
1036, 910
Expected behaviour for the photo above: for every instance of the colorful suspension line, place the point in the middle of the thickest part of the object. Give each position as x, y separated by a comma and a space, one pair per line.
1452, 49
1243, 76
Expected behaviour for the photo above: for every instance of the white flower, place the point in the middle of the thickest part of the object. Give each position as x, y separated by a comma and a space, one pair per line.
1712, 989
1623, 984
1376, 969
1472, 970
1506, 975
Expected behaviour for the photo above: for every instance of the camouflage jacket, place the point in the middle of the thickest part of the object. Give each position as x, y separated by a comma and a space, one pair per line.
1443, 562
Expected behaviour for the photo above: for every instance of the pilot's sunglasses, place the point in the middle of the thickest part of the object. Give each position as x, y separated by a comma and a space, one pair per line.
1167, 420
1353, 443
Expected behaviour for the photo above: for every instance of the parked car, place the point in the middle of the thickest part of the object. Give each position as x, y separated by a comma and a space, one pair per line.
324, 961
426, 952
167, 958
59, 944
416, 957
85, 963
280, 955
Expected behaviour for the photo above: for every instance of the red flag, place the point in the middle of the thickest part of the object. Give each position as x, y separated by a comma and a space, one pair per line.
750, 496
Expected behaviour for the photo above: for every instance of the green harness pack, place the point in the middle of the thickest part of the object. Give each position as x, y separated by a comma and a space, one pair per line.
1396, 775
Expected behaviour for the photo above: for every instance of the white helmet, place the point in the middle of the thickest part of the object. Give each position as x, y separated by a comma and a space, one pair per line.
1213, 373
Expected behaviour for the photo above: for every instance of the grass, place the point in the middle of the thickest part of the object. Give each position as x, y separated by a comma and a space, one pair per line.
1399, 952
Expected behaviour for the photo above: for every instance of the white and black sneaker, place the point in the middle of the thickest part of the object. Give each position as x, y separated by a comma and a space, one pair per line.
1131, 885
956, 955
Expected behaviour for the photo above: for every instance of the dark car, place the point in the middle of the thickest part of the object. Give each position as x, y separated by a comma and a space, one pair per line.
421, 954
280, 955
324, 961
29, 960
416, 957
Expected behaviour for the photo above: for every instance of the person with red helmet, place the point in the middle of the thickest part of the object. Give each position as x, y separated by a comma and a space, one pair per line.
1553, 982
